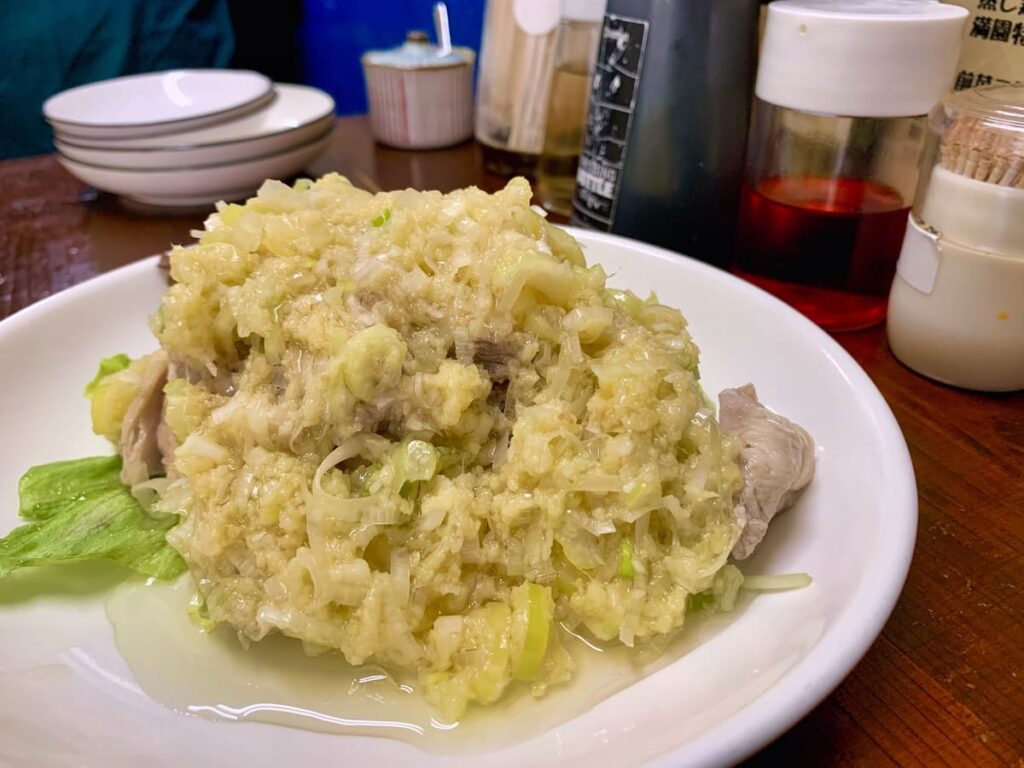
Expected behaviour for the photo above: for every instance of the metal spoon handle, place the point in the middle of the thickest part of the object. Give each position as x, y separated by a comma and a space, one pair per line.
444, 35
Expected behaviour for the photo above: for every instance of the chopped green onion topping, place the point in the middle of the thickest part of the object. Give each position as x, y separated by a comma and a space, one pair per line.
533, 609
626, 558
419, 460
197, 611
770, 583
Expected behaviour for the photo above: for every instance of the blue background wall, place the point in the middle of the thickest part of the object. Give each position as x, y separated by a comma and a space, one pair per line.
335, 33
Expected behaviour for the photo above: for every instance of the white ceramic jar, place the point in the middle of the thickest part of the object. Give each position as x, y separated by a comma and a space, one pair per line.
956, 309
420, 97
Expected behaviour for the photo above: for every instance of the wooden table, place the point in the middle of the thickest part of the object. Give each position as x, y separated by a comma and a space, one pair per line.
944, 685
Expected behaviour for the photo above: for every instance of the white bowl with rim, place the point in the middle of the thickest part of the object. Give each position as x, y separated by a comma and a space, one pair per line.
197, 185
296, 115
156, 102
70, 698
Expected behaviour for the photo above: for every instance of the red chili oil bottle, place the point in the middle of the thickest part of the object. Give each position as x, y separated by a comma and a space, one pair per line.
836, 141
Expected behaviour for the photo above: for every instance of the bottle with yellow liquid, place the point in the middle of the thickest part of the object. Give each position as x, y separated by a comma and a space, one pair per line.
516, 63
578, 36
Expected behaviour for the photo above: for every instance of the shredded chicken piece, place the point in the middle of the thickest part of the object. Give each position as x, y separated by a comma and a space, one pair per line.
220, 382
494, 357
776, 458
139, 444
166, 444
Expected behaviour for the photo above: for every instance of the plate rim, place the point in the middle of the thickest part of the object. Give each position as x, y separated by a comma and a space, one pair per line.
814, 676
786, 702
184, 169
173, 148
264, 95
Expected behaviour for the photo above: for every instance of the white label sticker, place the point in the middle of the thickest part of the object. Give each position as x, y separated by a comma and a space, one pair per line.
919, 259
537, 17
613, 95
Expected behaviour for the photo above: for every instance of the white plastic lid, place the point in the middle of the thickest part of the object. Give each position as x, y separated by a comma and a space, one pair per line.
859, 58
583, 10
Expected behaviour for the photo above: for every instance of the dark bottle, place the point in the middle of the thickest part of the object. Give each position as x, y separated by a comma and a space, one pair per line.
666, 130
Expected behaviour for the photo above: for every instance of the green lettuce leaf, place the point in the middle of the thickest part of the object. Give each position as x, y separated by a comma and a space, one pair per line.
108, 365
45, 490
80, 510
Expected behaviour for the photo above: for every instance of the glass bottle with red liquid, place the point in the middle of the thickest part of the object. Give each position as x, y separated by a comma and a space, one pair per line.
837, 133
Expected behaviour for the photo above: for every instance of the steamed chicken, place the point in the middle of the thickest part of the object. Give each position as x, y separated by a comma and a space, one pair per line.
420, 430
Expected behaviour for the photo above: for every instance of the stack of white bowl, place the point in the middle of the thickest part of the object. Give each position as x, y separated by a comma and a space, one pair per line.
190, 137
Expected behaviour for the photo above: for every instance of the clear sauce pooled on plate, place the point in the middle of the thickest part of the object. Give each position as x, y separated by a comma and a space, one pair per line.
210, 675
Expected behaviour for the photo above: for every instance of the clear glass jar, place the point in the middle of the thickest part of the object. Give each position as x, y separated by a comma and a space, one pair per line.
823, 210
567, 112
843, 89
517, 59
956, 310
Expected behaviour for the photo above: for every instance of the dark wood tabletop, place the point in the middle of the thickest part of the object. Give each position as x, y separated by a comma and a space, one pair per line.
943, 685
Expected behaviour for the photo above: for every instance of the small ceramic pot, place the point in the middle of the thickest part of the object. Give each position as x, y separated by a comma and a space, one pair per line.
419, 97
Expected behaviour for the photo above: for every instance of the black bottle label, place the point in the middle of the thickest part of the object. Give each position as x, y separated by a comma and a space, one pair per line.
613, 92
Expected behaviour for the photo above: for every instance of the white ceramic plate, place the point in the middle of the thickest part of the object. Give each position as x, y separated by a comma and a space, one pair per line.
296, 115
67, 698
213, 155
195, 185
156, 102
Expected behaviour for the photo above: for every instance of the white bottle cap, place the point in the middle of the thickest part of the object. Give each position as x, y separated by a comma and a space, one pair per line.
859, 58
583, 10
